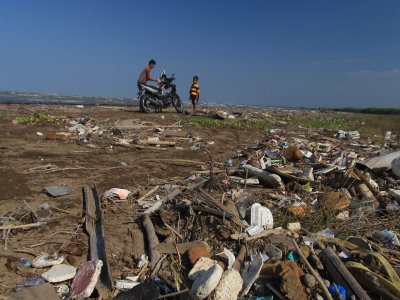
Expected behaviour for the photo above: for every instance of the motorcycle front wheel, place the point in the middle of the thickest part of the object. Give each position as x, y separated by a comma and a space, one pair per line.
177, 103
146, 105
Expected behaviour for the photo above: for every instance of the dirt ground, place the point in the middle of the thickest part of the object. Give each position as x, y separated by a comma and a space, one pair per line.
21, 185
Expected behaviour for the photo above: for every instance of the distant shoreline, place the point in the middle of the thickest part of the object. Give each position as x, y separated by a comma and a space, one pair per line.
11, 97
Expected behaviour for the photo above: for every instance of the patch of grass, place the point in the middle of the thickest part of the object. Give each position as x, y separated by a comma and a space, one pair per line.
372, 110
368, 125
261, 124
326, 121
34, 118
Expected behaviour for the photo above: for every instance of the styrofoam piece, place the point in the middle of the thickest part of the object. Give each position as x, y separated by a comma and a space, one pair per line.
324, 147
229, 286
86, 278
125, 284
261, 216
44, 260
59, 273
206, 282
254, 229
202, 265
249, 181
231, 257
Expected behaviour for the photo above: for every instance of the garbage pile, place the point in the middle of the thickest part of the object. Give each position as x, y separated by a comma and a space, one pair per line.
289, 218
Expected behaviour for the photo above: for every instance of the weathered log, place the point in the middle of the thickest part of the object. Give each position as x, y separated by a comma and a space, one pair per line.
152, 241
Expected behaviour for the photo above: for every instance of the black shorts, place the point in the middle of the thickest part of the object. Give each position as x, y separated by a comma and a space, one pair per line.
194, 99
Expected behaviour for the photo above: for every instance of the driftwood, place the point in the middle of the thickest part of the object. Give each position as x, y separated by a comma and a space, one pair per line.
152, 240
341, 275
94, 227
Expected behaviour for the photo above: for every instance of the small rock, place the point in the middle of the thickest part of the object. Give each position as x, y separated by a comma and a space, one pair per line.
45, 260
344, 215
335, 200
294, 227
196, 252
202, 265
309, 281
59, 273
206, 282
42, 291
58, 190
273, 252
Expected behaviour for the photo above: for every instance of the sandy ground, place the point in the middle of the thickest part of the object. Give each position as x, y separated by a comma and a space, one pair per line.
21, 149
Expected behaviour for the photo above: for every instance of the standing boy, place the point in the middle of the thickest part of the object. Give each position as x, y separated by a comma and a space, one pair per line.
195, 93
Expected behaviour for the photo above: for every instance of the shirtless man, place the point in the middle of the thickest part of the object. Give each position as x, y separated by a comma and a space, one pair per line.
145, 74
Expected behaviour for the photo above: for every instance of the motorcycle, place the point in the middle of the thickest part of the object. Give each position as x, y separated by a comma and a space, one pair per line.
154, 99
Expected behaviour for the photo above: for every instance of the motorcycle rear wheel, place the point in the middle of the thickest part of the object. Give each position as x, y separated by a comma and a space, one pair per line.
146, 105
177, 103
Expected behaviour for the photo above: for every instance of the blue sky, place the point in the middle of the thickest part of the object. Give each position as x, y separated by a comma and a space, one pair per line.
285, 53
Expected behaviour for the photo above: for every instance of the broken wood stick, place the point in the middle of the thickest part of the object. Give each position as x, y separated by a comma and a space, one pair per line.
138, 146
156, 206
148, 194
23, 226
152, 240
172, 195
222, 207
165, 143
175, 161
62, 210
312, 271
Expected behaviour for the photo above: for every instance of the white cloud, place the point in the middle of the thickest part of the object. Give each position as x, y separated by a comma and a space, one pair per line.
394, 73
339, 61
